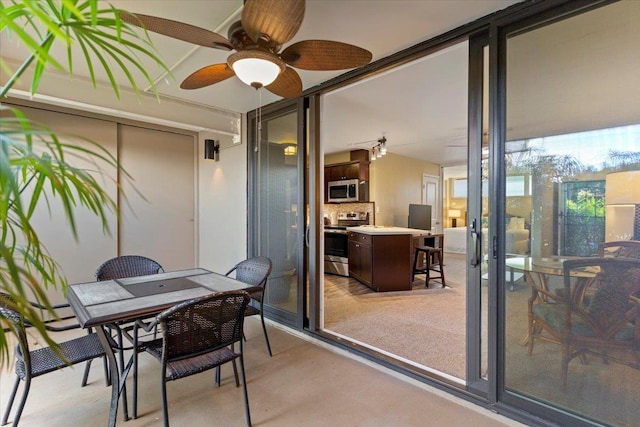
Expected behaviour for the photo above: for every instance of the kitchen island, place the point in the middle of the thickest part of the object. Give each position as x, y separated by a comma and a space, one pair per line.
381, 257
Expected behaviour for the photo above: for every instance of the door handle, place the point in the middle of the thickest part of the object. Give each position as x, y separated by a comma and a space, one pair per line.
475, 245
306, 235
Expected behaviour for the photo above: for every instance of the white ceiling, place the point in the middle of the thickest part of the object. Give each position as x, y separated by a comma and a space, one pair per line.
422, 103
420, 108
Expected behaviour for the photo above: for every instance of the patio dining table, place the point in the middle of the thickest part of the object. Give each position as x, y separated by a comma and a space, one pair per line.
100, 304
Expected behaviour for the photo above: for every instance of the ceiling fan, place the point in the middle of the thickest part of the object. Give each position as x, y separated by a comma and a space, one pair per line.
257, 38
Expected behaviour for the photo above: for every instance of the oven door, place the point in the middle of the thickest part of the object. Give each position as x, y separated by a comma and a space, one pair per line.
336, 244
336, 258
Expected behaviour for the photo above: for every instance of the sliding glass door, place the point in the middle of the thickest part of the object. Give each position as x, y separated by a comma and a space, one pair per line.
572, 156
276, 206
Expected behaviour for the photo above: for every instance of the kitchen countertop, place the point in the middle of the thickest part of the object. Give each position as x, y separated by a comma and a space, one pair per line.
378, 230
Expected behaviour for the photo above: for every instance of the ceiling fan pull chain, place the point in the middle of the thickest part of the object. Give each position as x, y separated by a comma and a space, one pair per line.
258, 121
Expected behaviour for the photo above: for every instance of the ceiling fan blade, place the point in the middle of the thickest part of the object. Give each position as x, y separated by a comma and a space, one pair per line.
178, 30
279, 20
207, 76
288, 84
325, 55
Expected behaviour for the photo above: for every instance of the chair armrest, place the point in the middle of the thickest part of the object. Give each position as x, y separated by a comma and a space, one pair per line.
148, 327
61, 328
254, 290
55, 307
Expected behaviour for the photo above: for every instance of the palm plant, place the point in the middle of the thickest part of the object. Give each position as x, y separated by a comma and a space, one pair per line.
36, 165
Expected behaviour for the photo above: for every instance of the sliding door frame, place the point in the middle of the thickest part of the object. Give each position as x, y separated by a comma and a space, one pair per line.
491, 30
475, 383
514, 406
255, 121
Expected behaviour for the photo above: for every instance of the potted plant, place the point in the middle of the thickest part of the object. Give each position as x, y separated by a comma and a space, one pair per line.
35, 163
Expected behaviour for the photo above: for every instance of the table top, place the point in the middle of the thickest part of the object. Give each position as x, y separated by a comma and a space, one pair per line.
375, 230
545, 265
109, 301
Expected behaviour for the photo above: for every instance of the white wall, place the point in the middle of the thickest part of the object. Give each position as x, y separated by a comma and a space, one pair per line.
222, 205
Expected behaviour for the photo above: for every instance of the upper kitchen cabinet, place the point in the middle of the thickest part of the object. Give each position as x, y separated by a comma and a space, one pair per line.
356, 168
344, 171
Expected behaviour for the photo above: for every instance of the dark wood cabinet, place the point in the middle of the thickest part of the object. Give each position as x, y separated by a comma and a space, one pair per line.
348, 170
344, 171
382, 262
360, 257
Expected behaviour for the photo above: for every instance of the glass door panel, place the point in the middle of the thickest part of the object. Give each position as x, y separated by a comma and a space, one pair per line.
422, 135
572, 156
274, 212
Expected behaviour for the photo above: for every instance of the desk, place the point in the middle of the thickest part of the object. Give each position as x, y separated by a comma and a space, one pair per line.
97, 304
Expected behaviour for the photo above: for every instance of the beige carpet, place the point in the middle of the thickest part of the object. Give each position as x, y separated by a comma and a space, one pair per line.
426, 326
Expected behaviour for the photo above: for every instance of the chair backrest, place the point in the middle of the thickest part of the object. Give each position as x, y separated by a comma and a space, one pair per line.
620, 248
12, 319
203, 324
127, 266
8, 312
610, 304
254, 271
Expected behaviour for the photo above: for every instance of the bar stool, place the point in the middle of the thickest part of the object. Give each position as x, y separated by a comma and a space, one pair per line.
433, 262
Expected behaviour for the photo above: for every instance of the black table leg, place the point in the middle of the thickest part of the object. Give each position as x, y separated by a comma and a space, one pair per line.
118, 376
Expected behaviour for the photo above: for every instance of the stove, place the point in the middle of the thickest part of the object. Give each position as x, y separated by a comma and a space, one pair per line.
336, 242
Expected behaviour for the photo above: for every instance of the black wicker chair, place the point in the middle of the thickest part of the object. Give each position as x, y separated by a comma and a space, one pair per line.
127, 266
119, 268
255, 271
33, 363
198, 335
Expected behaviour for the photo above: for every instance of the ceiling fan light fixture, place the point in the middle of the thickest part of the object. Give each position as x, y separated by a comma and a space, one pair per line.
256, 68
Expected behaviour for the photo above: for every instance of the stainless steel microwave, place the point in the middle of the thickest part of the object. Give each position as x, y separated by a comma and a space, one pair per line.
343, 191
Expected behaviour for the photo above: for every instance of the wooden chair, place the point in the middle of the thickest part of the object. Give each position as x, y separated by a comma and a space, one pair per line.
598, 315
34, 363
620, 248
198, 335
255, 271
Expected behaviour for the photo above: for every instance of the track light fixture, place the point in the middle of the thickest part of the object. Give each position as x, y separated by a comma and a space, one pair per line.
380, 149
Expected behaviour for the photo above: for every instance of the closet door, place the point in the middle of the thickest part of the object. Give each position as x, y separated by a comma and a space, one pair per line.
78, 258
157, 204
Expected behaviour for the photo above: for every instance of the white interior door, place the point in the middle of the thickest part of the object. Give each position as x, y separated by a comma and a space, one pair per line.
431, 196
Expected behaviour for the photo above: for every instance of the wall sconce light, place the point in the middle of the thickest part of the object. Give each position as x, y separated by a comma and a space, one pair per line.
211, 149
290, 150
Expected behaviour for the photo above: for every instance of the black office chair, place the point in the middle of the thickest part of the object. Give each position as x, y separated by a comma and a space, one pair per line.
255, 271
33, 363
198, 335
